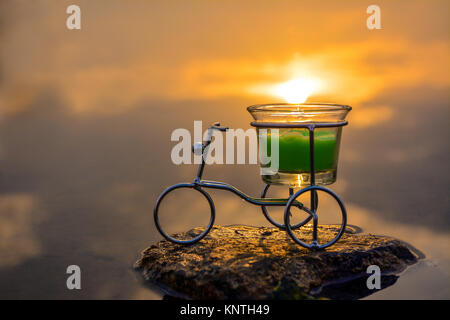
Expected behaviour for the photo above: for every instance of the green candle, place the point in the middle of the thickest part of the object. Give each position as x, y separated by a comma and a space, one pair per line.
294, 149
293, 167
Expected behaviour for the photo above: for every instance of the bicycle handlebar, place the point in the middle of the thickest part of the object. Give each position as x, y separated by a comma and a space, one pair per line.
216, 126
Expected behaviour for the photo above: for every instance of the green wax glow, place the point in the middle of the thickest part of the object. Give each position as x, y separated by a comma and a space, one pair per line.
294, 149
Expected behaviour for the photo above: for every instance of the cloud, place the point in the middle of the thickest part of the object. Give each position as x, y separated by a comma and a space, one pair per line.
436, 244
371, 116
17, 239
171, 50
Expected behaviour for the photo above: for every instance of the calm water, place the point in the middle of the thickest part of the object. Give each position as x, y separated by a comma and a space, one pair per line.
80, 190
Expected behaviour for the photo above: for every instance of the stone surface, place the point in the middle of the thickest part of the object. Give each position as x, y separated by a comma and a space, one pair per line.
243, 262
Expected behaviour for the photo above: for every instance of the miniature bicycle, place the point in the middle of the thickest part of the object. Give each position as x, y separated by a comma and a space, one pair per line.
200, 185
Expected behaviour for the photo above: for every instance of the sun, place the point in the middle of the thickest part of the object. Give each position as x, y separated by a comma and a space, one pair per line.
296, 90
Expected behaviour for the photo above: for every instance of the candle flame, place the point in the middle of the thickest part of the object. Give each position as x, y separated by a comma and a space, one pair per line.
296, 90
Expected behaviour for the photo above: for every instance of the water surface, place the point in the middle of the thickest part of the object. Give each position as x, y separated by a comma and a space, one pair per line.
80, 190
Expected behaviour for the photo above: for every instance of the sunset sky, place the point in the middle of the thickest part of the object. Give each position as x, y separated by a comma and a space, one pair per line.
185, 50
86, 118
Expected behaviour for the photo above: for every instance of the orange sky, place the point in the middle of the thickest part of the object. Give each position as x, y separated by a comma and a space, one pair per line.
86, 118
211, 49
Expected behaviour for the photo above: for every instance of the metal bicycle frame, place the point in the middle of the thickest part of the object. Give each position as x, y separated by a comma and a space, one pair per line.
199, 184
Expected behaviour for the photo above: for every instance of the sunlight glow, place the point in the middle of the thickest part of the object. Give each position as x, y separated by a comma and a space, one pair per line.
296, 90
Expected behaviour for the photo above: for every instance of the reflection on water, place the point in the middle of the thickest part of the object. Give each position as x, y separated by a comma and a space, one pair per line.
80, 190
17, 240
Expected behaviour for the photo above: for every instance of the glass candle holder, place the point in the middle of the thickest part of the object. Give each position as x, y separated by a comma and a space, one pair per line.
294, 167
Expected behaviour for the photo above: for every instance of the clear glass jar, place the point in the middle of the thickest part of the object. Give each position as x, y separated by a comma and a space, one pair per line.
293, 166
